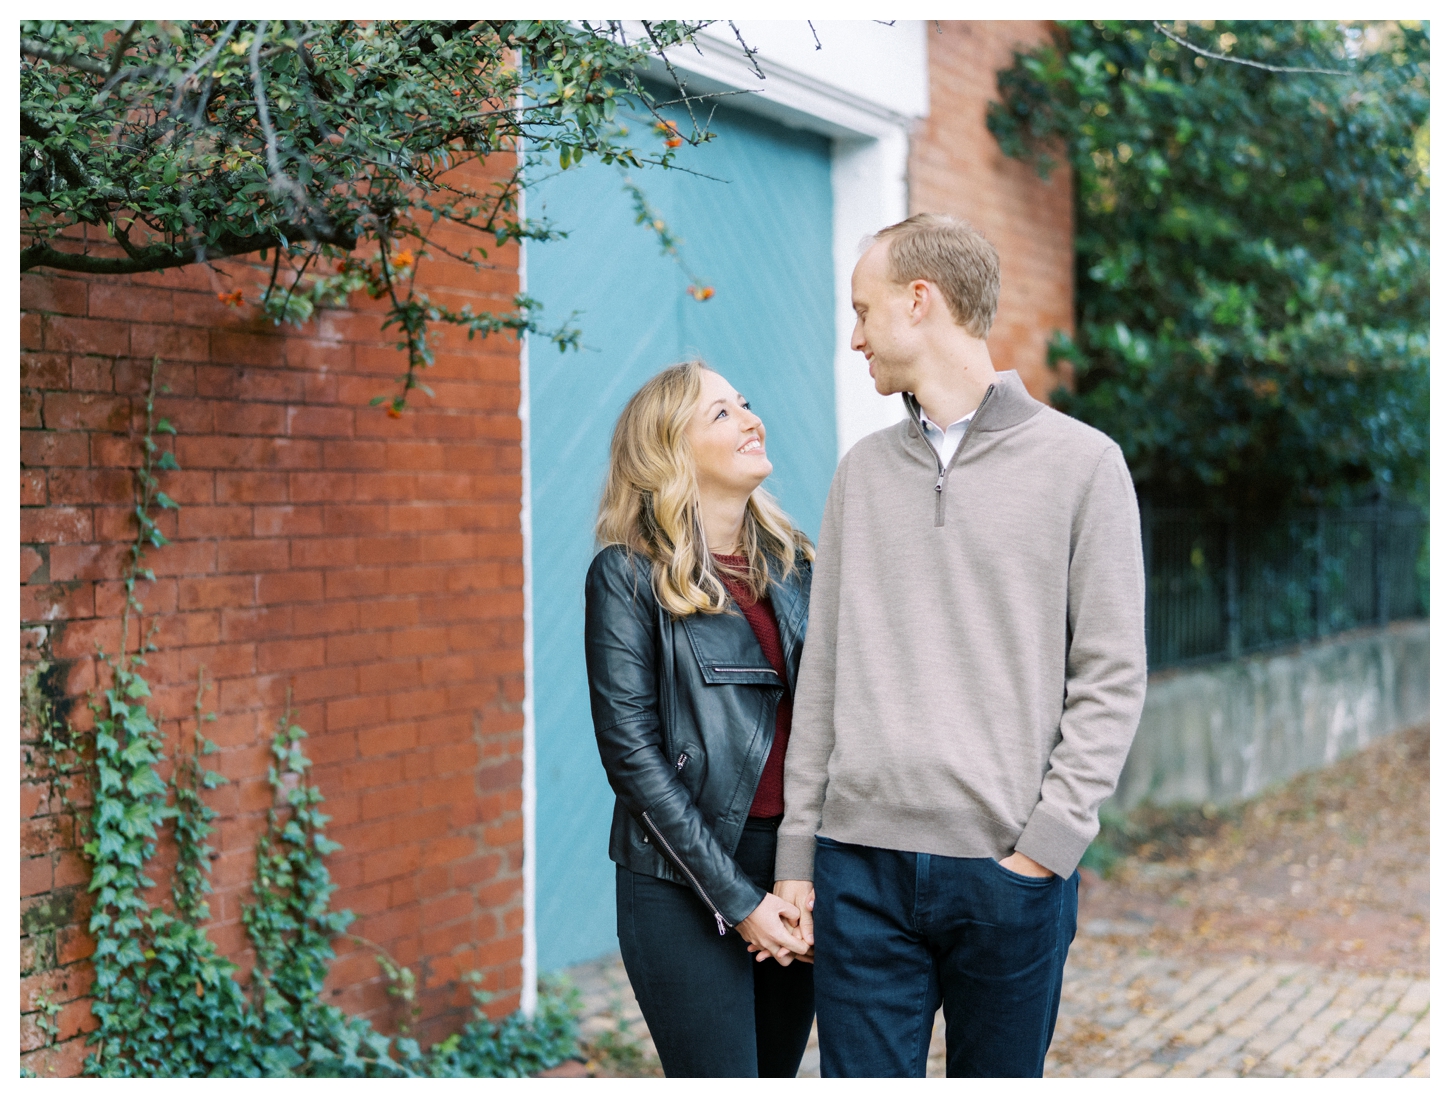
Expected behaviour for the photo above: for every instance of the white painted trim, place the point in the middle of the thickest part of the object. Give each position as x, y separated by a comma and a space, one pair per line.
529, 993
870, 147
868, 186
785, 95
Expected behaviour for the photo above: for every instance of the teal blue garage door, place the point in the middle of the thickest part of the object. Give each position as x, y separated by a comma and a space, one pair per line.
762, 240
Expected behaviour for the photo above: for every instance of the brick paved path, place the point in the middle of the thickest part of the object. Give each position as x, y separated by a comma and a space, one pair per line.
1129, 1013
1292, 939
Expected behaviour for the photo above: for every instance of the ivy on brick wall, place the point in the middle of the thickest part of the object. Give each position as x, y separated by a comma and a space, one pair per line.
338, 149
167, 1001
1253, 262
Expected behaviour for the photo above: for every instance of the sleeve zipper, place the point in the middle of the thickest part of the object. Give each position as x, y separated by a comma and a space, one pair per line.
664, 843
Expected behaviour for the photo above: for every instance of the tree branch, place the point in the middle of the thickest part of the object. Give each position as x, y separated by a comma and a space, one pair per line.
750, 53
1161, 29
65, 160
33, 47
160, 257
121, 47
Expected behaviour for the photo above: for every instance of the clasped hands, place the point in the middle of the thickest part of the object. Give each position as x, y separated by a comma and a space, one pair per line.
783, 926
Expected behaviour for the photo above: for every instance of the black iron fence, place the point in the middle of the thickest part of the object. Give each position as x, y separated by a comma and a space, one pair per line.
1218, 589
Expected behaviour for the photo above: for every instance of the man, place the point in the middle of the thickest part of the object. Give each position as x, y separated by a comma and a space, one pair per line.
972, 677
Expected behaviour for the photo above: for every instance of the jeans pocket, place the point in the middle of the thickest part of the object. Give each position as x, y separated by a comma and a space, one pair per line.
1021, 878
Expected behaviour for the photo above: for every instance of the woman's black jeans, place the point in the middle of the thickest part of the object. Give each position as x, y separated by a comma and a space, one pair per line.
712, 1009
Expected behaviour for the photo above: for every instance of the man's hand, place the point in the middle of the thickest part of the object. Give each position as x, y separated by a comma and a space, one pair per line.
1018, 863
768, 929
802, 896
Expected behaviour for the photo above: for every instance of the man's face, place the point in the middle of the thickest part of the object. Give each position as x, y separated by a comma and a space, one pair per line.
884, 332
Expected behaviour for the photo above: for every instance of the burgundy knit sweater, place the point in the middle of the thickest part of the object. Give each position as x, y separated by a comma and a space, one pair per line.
770, 793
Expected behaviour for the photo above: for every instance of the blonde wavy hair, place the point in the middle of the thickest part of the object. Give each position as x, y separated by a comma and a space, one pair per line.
651, 502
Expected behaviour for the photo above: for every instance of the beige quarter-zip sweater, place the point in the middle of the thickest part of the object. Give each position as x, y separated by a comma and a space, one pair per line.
975, 665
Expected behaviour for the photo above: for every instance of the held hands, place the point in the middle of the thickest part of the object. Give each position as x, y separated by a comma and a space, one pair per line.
770, 931
798, 900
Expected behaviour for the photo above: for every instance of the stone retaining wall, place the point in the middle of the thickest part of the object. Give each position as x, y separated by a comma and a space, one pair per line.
1224, 732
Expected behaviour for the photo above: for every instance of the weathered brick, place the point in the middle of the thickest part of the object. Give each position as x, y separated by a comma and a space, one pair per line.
32, 331
287, 521
279, 587
314, 552
88, 486
36, 875
45, 292
86, 562
91, 373
57, 601
170, 341
87, 336
51, 448
290, 655
122, 301
228, 592
250, 487
251, 555
217, 522
246, 348
86, 412
44, 371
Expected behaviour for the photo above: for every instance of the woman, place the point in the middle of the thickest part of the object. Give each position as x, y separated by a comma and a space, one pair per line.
695, 612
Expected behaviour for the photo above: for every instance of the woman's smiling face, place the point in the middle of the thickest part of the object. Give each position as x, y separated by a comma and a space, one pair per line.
727, 439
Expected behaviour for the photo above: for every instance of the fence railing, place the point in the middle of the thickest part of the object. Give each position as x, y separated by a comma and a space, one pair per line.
1219, 589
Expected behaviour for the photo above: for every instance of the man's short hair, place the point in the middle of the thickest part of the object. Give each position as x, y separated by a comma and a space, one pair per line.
955, 257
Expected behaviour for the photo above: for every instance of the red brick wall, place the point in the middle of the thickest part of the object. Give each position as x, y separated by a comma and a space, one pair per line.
958, 168
373, 566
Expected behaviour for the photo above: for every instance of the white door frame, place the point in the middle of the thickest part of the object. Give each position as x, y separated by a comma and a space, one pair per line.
870, 132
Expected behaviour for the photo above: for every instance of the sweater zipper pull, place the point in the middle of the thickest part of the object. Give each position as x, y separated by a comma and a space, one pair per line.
720, 922
940, 476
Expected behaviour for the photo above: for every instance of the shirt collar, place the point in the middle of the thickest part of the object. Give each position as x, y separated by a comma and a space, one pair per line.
928, 425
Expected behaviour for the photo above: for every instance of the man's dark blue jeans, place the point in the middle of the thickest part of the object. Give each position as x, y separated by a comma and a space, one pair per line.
899, 934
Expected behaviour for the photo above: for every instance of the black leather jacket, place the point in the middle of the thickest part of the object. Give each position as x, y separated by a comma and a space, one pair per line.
684, 714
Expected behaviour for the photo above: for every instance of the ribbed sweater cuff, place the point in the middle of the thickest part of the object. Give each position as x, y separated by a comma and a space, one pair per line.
1048, 842
795, 857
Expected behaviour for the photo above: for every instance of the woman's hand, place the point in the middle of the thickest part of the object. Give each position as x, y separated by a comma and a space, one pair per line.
768, 930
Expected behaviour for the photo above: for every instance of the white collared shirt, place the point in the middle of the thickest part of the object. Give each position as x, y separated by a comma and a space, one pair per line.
945, 442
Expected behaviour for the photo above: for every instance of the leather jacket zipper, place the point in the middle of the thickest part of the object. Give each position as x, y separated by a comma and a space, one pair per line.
761, 670
720, 922
681, 761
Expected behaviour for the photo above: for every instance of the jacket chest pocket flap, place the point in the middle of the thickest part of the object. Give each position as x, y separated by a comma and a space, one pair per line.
727, 652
